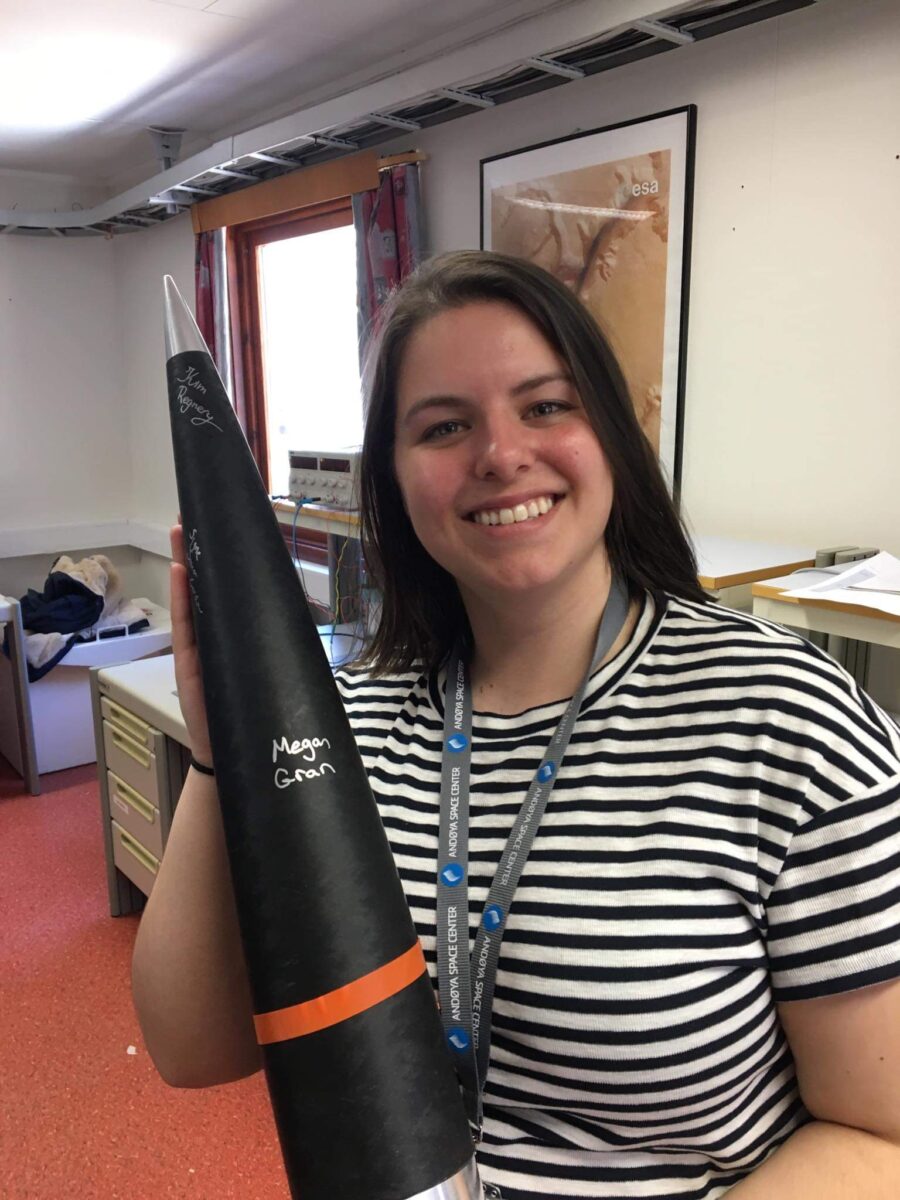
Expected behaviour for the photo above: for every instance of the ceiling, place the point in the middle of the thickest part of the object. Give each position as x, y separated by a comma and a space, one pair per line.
260, 87
81, 82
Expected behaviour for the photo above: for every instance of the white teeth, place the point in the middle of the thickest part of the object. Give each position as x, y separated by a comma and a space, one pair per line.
512, 516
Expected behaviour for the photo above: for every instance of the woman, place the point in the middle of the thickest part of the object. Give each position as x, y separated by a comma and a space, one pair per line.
698, 935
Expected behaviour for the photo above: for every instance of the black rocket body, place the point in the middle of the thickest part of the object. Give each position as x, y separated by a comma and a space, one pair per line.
363, 1090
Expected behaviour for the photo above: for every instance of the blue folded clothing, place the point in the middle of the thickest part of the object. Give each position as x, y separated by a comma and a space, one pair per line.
65, 605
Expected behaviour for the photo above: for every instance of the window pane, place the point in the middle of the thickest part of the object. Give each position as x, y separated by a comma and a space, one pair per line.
309, 345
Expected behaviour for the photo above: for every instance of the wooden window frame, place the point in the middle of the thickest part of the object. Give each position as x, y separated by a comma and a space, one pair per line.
243, 241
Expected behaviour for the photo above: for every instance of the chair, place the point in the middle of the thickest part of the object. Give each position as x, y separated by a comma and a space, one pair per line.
17, 742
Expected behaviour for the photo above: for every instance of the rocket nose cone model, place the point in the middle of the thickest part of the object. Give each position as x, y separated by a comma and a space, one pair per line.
362, 1087
181, 329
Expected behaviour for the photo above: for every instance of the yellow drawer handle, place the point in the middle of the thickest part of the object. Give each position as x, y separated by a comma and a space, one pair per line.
135, 799
134, 726
136, 850
129, 746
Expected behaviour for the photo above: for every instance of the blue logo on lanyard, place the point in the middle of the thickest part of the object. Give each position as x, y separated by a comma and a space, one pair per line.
452, 874
493, 916
547, 771
458, 1038
457, 742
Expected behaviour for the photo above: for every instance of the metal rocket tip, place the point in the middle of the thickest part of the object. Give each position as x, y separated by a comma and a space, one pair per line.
181, 328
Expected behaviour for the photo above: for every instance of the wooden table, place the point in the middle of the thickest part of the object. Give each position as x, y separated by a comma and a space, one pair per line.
339, 521
835, 617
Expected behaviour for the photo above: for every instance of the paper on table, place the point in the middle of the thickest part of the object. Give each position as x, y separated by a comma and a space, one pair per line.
885, 573
872, 583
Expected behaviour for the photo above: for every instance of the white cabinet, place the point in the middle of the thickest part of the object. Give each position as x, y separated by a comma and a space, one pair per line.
141, 770
58, 706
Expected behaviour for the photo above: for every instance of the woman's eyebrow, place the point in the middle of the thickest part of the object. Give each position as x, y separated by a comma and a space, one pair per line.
537, 381
436, 402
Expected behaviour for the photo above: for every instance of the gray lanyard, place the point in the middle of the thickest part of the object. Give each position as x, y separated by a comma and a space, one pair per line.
466, 1006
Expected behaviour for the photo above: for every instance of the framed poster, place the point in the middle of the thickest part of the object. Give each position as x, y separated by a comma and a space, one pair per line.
608, 213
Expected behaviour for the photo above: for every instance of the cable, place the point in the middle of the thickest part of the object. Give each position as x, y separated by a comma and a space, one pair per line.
357, 635
336, 614
298, 504
337, 582
294, 553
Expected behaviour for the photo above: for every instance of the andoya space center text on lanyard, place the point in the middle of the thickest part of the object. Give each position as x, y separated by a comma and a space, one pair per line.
467, 987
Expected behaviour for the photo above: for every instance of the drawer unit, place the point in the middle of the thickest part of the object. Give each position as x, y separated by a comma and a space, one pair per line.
135, 813
142, 764
136, 728
133, 760
133, 859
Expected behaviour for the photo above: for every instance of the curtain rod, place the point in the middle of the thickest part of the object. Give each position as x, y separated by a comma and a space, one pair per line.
397, 160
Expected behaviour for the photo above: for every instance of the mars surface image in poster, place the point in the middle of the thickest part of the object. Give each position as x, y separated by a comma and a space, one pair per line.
603, 231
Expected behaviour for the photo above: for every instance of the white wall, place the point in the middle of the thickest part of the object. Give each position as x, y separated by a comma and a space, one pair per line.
141, 261
37, 191
71, 428
64, 450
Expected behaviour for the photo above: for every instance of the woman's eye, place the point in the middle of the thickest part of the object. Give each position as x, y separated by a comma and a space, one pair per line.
546, 408
445, 429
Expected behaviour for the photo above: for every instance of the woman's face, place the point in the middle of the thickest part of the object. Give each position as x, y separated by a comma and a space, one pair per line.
504, 480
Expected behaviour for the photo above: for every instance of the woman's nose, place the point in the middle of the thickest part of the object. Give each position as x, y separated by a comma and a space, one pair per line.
503, 449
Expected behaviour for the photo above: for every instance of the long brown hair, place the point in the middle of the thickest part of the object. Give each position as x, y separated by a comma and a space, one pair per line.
422, 613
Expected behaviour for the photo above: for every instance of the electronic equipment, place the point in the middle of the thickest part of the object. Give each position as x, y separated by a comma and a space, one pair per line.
329, 476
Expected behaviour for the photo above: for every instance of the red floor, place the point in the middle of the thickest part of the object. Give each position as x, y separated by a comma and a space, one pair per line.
83, 1113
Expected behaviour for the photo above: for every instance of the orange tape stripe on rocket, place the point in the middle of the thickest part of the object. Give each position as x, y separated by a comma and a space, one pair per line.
343, 1002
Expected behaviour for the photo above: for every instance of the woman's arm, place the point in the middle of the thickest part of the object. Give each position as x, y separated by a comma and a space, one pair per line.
847, 1052
188, 974
822, 1161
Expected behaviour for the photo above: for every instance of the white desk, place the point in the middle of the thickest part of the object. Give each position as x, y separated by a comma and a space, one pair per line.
834, 617
723, 563
728, 567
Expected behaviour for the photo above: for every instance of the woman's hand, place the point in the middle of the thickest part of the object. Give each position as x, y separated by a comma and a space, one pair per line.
188, 679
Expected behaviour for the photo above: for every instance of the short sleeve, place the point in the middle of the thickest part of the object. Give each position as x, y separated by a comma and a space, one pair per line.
833, 915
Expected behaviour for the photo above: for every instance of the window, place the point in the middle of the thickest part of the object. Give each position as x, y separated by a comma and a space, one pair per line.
307, 299
297, 372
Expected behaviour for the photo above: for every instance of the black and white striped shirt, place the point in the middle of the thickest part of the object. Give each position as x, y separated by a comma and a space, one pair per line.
724, 833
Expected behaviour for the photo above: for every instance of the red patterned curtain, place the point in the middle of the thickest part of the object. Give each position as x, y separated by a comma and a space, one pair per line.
204, 270
388, 223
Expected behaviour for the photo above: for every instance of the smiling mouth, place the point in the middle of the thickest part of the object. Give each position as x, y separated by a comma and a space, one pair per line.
532, 511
